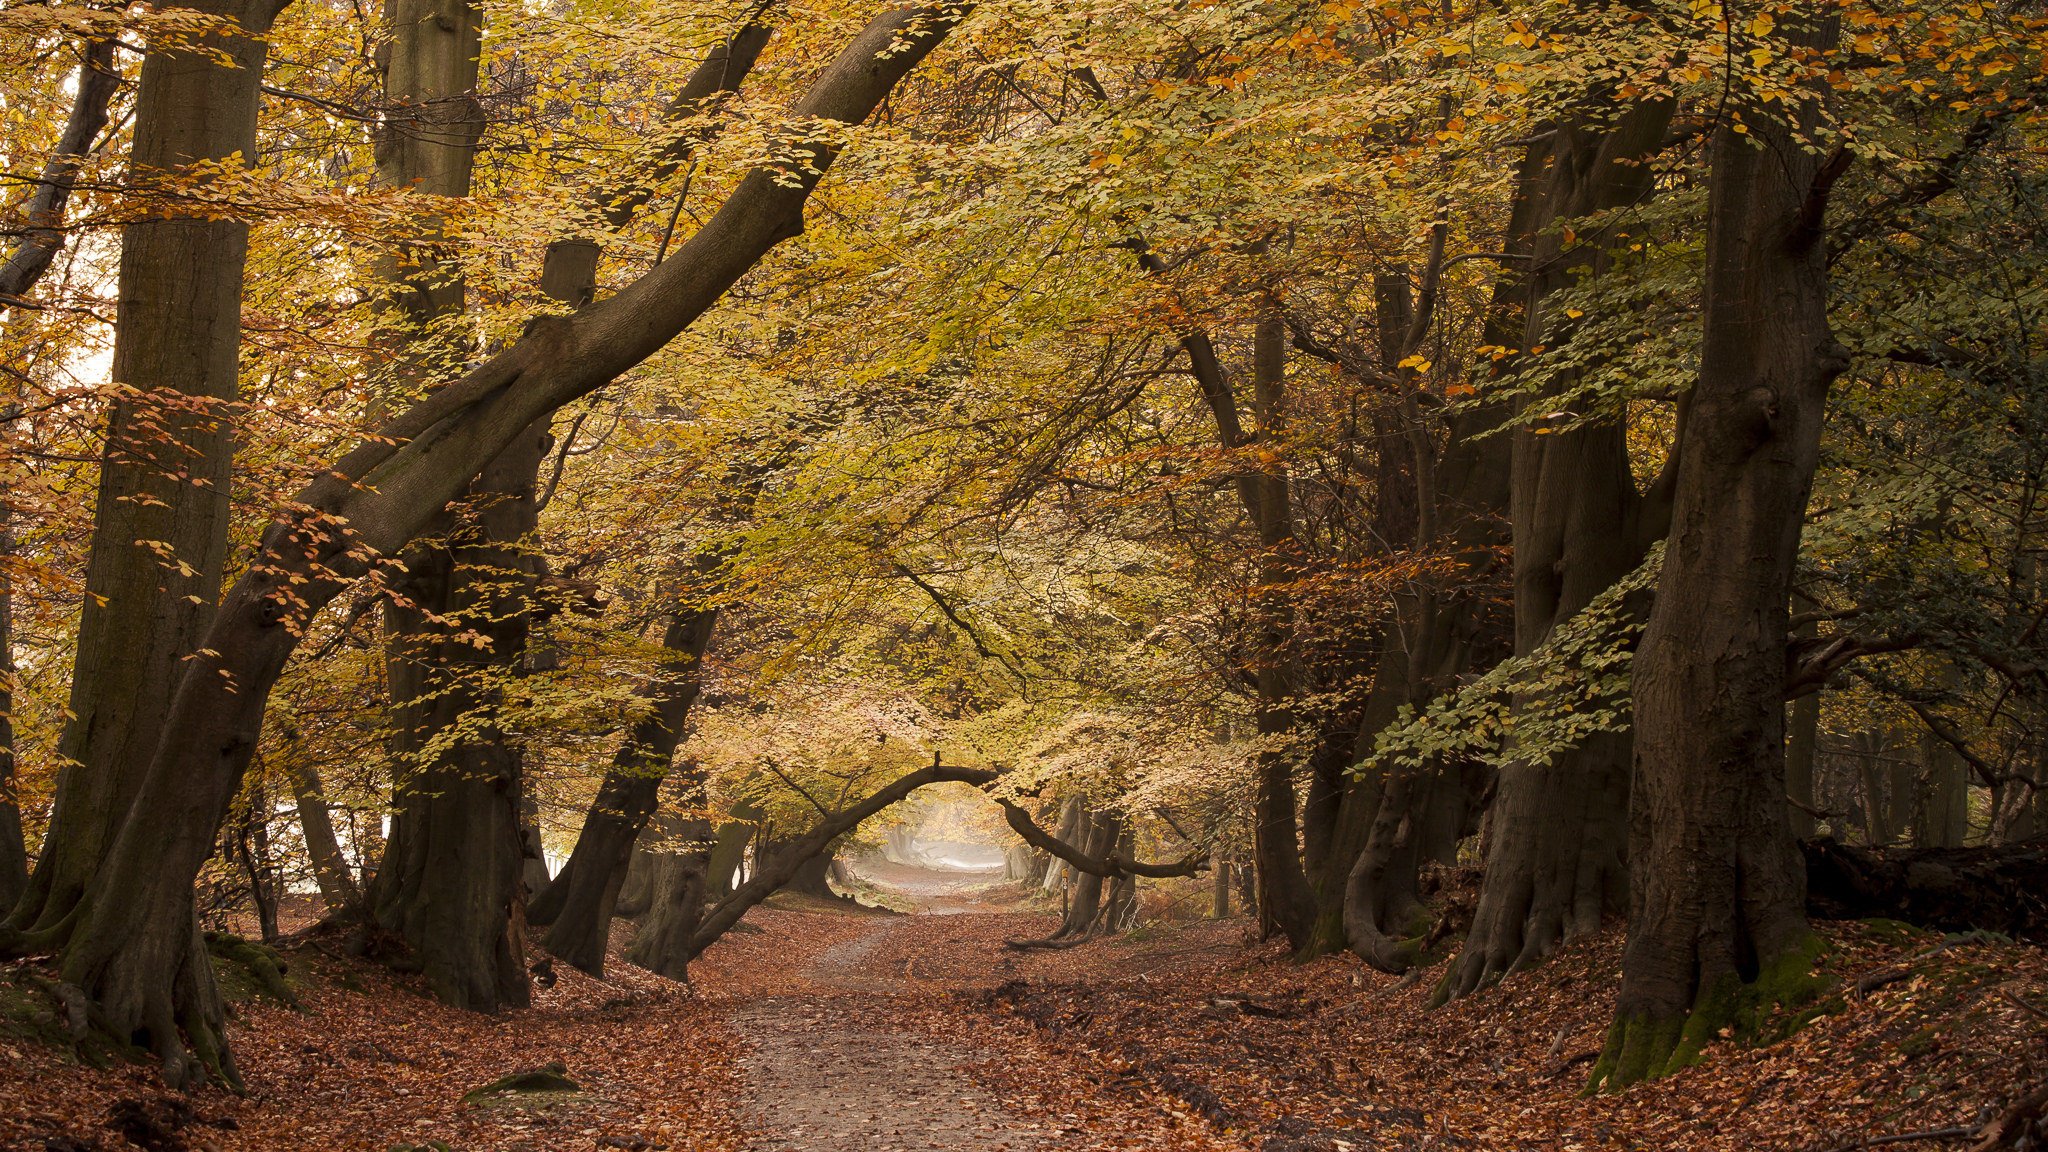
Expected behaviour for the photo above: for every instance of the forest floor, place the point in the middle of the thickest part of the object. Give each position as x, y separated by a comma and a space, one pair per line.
822, 1026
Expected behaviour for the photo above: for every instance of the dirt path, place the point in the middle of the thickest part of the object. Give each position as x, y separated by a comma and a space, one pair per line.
833, 1068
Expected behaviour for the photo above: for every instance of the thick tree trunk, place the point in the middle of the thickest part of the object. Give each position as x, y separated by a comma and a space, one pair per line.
1554, 866
163, 480
1717, 924
123, 951
678, 885
580, 904
331, 872
729, 850
636, 891
450, 881
1084, 894
450, 884
160, 518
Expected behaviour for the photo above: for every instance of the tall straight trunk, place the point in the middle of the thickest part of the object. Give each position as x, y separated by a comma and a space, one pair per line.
450, 881
1554, 867
374, 501
161, 514
1717, 919
579, 905
450, 884
13, 849
337, 884
1285, 902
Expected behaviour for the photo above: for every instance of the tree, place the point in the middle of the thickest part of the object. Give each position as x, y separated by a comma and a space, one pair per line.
160, 521
1717, 925
128, 950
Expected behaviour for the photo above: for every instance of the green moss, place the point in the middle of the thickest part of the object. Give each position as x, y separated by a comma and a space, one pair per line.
550, 1081
1890, 931
30, 1013
248, 970
1784, 997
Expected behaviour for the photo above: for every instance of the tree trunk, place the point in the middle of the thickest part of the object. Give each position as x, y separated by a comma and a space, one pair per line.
1802, 744
1554, 865
678, 884
1718, 930
729, 850
13, 849
1439, 631
1286, 904
1219, 882
252, 843
450, 884
124, 951
580, 904
1941, 815
43, 237
1992, 889
331, 873
160, 517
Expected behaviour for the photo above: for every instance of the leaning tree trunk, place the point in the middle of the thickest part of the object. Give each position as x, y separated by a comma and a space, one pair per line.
1717, 924
122, 952
337, 884
43, 237
1554, 865
161, 516
579, 905
163, 479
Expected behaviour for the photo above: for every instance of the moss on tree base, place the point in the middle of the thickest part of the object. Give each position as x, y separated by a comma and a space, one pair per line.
1783, 998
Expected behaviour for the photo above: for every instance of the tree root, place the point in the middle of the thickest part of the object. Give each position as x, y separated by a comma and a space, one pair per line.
1646, 1045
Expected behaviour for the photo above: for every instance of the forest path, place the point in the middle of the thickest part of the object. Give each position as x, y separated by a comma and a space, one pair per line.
834, 1068
859, 1029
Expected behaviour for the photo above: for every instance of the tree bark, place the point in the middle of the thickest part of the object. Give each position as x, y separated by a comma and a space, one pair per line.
337, 884
43, 236
579, 905
13, 848
1554, 865
1440, 630
2001, 888
1717, 924
373, 502
160, 519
